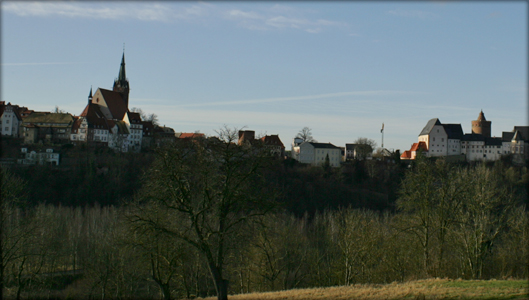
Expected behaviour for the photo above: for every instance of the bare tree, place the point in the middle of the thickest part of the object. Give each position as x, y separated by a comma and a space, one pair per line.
203, 193
364, 147
146, 116
306, 135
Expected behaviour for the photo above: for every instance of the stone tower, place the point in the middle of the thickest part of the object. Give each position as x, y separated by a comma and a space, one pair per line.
481, 125
121, 84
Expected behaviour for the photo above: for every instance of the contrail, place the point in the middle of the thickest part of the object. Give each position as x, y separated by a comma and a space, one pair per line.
43, 63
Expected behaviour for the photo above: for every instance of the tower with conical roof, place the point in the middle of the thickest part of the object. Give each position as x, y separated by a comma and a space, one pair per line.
121, 84
481, 125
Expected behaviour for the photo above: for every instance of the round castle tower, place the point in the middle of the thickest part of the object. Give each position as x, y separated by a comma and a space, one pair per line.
481, 125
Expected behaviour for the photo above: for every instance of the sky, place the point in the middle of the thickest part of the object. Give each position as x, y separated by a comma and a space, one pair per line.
340, 68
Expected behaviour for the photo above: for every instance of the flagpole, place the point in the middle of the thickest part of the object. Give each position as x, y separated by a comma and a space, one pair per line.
382, 131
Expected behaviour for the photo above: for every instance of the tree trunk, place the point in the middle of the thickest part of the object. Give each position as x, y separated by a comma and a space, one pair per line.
221, 285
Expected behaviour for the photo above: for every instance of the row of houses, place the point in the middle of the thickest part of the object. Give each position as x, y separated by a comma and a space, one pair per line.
448, 140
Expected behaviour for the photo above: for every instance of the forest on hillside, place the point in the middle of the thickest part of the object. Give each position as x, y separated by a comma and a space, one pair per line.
210, 217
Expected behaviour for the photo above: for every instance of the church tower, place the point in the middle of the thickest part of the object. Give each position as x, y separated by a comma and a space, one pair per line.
90, 96
121, 84
481, 125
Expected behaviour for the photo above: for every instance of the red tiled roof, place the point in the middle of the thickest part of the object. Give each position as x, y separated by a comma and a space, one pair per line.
272, 140
94, 116
190, 135
116, 105
76, 124
406, 154
419, 145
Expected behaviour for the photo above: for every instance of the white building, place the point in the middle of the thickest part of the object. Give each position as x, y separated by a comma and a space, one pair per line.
10, 120
41, 158
441, 139
294, 153
316, 154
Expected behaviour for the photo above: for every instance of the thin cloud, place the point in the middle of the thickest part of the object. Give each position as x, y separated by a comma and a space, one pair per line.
279, 17
298, 98
42, 63
275, 17
143, 12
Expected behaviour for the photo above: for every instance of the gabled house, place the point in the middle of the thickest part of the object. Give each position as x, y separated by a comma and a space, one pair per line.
316, 154
10, 119
414, 150
273, 142
516, 141
435, 138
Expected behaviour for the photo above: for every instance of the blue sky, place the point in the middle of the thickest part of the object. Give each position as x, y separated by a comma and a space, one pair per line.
340, 68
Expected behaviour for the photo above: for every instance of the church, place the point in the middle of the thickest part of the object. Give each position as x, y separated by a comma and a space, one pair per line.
106, 119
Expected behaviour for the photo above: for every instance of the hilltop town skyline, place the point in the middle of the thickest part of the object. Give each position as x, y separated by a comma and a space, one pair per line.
278, 68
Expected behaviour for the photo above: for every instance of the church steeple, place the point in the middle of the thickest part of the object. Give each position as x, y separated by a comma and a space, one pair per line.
121, 84
122, 77
90, 96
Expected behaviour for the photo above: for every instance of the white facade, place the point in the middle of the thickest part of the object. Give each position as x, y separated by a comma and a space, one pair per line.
316, 154
294, 153
454, 147
41, 158
80, 134
473, 150
436, 141
9, 122
135, 136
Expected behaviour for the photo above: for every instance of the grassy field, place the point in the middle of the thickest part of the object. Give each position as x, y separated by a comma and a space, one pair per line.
421, 289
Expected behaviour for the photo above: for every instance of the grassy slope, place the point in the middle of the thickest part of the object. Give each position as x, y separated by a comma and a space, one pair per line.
421, 289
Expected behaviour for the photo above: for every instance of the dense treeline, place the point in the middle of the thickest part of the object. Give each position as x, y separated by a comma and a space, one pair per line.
86, 176
383, 223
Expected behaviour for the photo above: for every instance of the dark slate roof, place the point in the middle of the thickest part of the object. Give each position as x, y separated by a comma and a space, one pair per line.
507, 136
493, 141
473, 137
324, 145
454, 131
524, 131
134, 117
350, 147
517, 136
429, 126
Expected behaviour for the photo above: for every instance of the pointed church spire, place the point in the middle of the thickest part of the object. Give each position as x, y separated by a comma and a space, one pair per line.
90, 95
122, 77
121, 84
